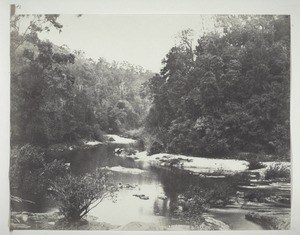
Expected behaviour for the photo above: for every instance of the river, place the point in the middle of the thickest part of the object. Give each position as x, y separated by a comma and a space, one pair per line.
160, 188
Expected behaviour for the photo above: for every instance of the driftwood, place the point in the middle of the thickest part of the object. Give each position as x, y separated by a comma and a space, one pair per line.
19, 200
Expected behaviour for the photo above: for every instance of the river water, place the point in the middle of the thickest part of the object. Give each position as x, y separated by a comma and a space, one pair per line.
160, 188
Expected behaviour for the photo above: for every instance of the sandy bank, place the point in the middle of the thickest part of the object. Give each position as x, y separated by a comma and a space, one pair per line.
194, 164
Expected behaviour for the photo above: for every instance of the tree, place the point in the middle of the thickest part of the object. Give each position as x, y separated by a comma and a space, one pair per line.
78, 194
235, 84
39, 81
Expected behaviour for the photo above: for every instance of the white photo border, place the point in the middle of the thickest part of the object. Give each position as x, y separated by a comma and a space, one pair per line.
283, 7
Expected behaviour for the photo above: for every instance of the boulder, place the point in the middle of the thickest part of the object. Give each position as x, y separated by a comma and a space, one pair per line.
271, 220
141, 196
211, 223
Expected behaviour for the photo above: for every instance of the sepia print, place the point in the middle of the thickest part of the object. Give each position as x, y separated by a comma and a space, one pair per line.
150, 122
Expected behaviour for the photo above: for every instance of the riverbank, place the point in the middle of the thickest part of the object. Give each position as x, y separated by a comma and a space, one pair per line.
203, 165
148, 192
52, 221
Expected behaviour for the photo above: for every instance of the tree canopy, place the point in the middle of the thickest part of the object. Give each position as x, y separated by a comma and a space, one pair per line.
229, 94
59, 95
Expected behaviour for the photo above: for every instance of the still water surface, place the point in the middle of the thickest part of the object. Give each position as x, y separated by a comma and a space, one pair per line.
153, 183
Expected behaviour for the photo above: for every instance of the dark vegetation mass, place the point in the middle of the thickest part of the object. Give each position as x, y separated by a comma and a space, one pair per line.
230, 94
61, 96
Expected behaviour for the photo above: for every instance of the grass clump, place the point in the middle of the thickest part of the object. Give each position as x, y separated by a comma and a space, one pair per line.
277, 171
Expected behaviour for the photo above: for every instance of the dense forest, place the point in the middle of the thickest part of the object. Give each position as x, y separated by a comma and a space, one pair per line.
229, 95
61, 96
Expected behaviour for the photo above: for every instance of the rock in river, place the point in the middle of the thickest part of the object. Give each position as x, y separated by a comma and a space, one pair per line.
141, 196
270, 220
211, 223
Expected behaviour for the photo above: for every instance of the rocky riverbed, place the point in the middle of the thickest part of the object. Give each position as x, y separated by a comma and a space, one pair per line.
53, 221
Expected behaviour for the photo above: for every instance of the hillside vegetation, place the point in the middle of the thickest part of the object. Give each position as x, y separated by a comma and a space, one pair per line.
59, 95
230, 94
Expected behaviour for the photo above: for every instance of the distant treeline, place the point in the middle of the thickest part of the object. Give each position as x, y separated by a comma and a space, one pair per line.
229, 94
59, 96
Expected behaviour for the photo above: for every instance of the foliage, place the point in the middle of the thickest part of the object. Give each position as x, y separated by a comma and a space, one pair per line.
254, 164
78, 194
206, 193
195, 203
230, 94
61, 96
277, 171
30, 172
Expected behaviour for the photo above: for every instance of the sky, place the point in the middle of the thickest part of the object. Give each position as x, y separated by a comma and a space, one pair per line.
139, 39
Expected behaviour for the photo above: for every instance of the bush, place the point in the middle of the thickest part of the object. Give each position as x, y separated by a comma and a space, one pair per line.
277, 171
77, 195
98, 134
30, 173
194, 204
255, 164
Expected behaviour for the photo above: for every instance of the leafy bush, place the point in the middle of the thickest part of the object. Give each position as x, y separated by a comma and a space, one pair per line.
198, 199
194, 204
98, 134
255, 164
78, 194
277, 171
30, 173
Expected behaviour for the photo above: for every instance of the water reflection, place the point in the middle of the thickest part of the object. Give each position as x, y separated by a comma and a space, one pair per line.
87, 160
160, 186
151, 196
129, 208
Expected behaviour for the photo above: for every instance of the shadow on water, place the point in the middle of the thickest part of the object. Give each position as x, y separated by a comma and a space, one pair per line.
87, 160
161, 185
161, 188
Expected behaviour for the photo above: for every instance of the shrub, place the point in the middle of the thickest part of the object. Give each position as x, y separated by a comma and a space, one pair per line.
255, 164
78, 194
194, 204
277, 171
30, 173
98, 134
